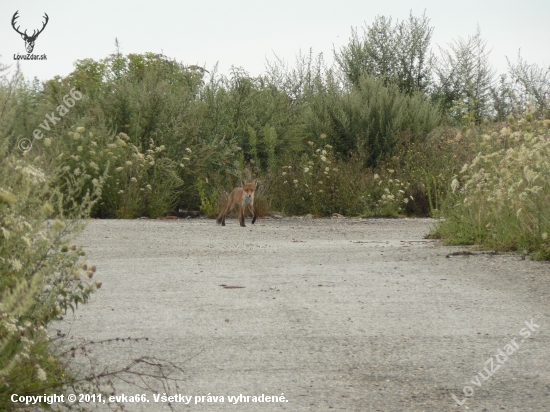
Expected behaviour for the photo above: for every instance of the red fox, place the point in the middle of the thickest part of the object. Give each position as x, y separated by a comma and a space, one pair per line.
244, 196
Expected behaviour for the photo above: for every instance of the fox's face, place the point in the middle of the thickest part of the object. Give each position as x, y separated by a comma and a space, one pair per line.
248, 191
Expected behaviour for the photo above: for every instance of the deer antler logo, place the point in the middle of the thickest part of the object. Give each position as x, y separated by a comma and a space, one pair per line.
29, 40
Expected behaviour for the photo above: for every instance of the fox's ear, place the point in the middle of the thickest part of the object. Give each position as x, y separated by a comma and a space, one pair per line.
256, 183
243, 183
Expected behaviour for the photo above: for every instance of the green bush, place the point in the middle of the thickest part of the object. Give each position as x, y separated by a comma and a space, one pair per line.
368, 119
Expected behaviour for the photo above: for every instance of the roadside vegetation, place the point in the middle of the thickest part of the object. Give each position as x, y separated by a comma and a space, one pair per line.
393, 128
43, 275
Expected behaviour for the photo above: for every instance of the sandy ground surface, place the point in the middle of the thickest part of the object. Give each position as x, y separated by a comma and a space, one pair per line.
336, 314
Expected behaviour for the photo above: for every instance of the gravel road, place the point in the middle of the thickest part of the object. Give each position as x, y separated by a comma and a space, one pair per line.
331, 314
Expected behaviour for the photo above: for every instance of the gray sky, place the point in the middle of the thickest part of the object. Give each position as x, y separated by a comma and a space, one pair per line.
244, 33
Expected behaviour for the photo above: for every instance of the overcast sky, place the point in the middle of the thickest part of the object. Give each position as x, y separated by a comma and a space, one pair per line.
246, 33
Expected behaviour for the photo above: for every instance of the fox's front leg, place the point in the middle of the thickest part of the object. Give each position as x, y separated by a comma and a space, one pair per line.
254, 215
241, 216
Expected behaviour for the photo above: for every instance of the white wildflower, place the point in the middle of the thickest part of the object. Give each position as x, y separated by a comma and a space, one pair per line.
5, 232
40, 374
16, 264
455, 185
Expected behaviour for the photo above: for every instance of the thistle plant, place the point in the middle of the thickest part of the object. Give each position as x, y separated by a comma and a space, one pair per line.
388, 197
133, 183
501, 197
319, 183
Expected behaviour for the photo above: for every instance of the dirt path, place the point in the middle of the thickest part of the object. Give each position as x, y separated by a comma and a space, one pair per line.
336, 314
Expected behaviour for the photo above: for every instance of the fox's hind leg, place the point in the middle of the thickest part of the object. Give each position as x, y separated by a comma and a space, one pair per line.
224, 212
